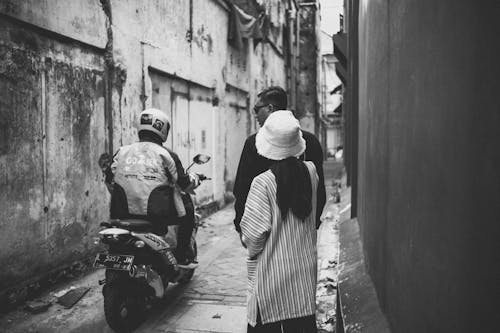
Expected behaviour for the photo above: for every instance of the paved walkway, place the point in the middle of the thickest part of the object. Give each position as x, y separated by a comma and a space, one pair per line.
328, 248
214, 301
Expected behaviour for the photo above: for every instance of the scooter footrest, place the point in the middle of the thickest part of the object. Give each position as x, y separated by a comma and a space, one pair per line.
188, 266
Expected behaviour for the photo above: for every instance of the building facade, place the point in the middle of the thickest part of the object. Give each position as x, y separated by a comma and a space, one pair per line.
75, 75
331, 100
309, 68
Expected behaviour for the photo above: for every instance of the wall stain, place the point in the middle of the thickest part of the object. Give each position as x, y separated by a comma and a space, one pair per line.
57, 217
203, 40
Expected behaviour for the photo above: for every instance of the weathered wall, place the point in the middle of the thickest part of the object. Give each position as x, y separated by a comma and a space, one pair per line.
309, 94
247, 72
81, 20
429, 185
74, 78
238, 121
52, 129
205, 60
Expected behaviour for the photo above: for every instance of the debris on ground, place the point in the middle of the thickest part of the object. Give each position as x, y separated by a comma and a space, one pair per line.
330, 287
63, 292
332, 264
71, 297
37, 306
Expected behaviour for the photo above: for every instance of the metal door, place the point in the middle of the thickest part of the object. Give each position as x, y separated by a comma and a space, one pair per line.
180, 127
201, 135
161, 99
238, 123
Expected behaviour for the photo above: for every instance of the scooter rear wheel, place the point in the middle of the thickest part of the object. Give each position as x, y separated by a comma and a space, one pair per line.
187, 277
124, 307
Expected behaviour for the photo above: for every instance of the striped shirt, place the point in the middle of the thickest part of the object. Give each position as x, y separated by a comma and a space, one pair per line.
282, 257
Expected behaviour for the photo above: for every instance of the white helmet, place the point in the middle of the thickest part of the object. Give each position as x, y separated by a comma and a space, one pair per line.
155, 121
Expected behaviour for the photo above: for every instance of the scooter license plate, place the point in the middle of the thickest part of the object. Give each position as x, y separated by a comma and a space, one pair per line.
114, 261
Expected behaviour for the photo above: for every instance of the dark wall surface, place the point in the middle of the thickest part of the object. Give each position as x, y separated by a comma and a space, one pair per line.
429, 160
52, 131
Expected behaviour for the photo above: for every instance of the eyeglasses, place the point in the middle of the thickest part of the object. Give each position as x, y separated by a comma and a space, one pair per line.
256, 108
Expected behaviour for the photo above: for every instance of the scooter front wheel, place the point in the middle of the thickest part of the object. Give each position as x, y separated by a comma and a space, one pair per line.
189, 275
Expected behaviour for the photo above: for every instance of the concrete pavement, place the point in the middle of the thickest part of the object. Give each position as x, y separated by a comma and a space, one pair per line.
360, 307
360, 310
214, 301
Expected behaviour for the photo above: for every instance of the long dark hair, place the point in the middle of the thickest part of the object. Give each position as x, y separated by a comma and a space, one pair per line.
294, 188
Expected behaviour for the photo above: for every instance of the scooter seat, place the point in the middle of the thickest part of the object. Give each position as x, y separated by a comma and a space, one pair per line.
130, 224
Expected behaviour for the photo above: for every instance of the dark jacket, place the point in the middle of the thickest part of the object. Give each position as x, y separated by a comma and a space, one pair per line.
252, 164
183, 181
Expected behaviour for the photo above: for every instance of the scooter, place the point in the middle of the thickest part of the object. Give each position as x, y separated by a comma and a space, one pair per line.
139, 266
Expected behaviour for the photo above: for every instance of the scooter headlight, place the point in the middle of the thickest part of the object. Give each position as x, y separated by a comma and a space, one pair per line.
139, 244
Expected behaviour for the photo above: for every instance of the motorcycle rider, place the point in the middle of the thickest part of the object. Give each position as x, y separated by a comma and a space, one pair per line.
148, 181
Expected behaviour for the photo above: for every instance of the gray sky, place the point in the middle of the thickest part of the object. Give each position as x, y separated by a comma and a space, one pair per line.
330, 10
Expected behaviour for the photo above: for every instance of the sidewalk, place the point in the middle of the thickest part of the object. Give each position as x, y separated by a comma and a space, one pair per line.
214, 301
360, 309
347, 301
329, 255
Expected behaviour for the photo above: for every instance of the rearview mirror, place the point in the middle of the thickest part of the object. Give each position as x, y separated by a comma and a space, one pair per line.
201, 159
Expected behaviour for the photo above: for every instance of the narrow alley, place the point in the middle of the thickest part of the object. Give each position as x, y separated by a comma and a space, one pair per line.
120, 120
214, 301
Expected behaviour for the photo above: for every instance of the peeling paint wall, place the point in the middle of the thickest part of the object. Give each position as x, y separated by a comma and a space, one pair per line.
308, 94
80, 20
238, 122
53, 129
73, 79
190, 45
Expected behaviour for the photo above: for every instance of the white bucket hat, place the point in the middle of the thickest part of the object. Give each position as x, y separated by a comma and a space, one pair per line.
280, 137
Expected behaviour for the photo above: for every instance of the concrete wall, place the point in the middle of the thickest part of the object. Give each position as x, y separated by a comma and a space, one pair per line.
428, 187
309, 94
333, 138
52, 130
331, 123
73, 80
239, 122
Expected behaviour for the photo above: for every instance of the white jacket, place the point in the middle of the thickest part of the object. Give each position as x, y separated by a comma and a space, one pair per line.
140, 169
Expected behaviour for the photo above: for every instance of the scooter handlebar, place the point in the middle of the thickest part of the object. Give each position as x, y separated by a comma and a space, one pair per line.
202, 177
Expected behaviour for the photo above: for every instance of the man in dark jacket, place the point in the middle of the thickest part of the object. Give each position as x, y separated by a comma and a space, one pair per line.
252, 164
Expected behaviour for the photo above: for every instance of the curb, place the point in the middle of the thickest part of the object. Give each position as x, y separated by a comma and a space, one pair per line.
327, 299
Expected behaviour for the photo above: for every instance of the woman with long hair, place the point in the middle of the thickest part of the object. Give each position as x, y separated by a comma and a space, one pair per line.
279, 231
